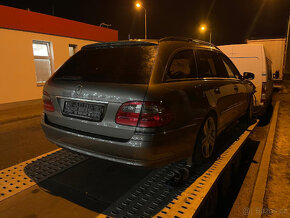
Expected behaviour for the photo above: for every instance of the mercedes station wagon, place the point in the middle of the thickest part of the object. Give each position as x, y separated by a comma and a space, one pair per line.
145, 102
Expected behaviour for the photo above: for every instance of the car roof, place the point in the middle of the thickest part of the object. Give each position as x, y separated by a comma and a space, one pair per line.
122, 43
151, 42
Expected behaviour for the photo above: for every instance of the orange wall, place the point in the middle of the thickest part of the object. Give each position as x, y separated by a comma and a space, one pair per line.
13, 18
17, 71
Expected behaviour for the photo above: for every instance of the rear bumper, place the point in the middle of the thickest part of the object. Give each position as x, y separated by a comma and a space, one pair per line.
141, 150
277, 83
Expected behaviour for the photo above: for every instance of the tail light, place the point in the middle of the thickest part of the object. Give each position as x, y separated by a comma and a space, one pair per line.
263, 94
143, 114
47, 103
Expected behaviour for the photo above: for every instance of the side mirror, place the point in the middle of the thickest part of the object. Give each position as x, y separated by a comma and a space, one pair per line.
249, 75
276, 74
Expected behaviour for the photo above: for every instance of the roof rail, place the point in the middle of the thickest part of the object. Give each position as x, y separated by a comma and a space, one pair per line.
187, 39
176, 38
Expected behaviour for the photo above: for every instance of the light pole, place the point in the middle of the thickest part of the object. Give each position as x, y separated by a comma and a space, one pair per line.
139, 5
203, 29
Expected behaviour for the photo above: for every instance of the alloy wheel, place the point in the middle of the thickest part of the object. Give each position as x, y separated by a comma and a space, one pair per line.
209, 136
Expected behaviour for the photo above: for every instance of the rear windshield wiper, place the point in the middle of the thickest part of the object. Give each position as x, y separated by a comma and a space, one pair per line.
68, 78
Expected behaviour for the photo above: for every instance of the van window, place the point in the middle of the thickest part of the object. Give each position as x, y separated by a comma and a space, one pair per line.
230, 67
209, 65
127, 65
181, 66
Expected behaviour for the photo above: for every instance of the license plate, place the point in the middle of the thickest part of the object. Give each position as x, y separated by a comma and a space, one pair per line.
84, 110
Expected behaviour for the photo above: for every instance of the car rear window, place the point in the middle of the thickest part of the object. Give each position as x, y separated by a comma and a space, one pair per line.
128, 65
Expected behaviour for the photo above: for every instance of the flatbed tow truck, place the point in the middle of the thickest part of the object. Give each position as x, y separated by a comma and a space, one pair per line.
176, 190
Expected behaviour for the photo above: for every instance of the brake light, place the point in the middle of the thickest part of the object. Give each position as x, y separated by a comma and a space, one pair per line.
263, 94
143, 114
128, 113
47, 103
153, 114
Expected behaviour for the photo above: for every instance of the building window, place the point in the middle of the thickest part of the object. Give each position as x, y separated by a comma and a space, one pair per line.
72, 49
42, 60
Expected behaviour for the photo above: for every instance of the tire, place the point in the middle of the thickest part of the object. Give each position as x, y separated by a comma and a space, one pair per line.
206, 141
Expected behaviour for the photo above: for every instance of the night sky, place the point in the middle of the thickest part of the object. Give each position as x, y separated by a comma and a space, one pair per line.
231, 21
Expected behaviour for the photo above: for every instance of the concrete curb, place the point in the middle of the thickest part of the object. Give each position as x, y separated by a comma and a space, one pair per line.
5, 121
23, 110
256, 206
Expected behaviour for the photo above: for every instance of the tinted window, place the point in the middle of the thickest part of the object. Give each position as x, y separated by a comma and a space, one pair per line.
231, 69
182, 66
129, 65
209, 65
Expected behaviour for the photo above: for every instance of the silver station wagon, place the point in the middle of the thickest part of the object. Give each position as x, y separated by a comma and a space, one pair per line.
145, 102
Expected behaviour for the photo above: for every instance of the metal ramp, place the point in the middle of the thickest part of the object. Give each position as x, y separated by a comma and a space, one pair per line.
155, 196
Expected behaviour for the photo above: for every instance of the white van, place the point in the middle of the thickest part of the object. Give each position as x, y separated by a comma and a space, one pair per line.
252, 58
276, 51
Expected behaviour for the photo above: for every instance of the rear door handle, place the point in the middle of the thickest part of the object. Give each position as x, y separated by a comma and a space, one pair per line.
236, 88
217, 90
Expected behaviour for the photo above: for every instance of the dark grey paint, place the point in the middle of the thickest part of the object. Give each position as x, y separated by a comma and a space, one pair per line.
189, 101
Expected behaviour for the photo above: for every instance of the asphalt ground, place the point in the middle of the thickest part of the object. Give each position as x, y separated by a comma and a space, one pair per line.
22, 140
276, 199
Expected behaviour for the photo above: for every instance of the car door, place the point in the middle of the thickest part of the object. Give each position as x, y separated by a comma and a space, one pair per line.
240, 99
181, 87
217, 85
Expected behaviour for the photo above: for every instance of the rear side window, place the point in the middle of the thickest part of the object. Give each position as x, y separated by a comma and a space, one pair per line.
182, 66
127, 65
209, 65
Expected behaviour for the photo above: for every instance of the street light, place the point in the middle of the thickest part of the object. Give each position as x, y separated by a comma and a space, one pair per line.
203, 29
139, 5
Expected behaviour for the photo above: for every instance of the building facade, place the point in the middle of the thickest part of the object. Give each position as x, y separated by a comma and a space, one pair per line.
34, 45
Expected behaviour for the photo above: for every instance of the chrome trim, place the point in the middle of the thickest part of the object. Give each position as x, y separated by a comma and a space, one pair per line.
220, 78
203, 79
231, 107
81, 99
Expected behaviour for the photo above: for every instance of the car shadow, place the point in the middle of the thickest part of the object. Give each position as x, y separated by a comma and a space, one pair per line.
93, 183
243, 162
